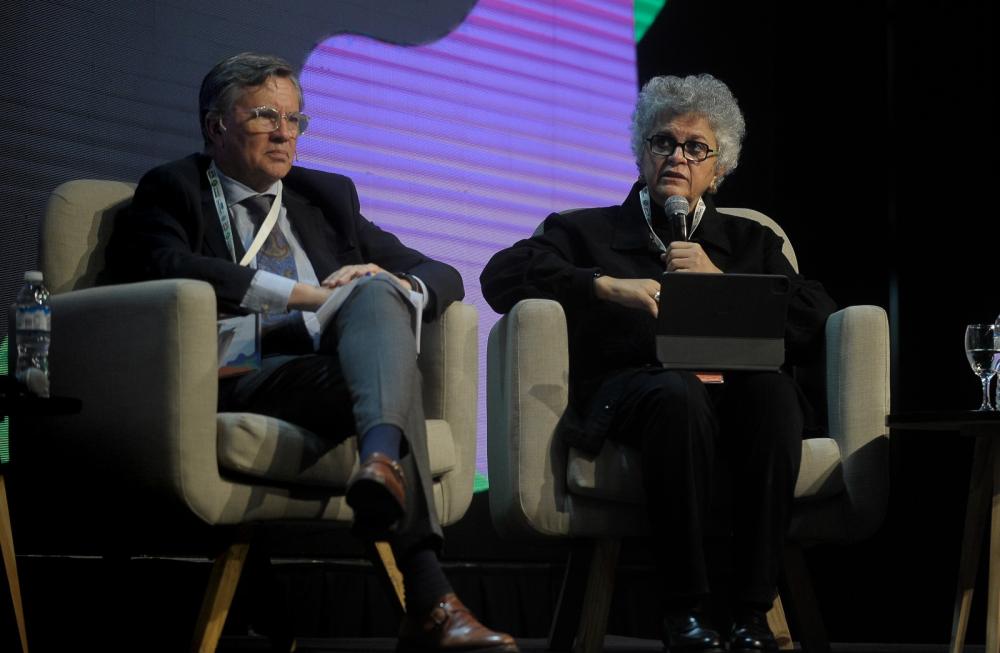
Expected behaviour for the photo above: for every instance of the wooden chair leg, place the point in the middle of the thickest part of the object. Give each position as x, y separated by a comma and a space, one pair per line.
597, 598
802, 602
779, 625
219, 595
569, 607
581, 617
10, 564
388, 573
993, 592
972, 538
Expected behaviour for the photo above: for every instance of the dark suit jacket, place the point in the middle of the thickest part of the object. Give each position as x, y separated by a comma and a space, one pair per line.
172, 230
606, 338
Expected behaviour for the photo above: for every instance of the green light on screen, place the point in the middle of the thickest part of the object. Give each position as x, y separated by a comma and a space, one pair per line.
646, 12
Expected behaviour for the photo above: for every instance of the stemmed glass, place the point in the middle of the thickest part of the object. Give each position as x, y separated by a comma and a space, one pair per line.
996, 368
982, 348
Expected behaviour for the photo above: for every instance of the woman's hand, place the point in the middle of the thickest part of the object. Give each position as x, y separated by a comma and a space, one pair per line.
682, 256
633, 293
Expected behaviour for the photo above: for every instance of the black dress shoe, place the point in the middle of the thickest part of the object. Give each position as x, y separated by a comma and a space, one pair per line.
684, 633
751, 634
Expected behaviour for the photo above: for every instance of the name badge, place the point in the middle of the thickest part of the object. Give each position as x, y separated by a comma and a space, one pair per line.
239, 345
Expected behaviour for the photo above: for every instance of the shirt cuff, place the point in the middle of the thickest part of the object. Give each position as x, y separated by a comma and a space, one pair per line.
268, 293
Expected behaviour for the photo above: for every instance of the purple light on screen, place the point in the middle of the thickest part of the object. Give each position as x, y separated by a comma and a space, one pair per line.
462, 146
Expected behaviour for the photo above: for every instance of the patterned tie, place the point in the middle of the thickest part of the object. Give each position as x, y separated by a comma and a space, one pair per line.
275, 255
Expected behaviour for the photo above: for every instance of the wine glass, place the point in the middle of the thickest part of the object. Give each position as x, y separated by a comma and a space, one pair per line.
996, 368
982, 348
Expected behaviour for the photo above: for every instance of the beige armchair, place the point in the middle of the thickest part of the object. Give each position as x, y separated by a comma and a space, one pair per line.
539, 487
142, 358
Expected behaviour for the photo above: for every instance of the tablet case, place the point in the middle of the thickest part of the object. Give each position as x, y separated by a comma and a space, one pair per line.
722, 321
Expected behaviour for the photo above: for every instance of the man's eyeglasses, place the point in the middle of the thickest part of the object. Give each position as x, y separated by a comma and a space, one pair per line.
665, 145
268, 119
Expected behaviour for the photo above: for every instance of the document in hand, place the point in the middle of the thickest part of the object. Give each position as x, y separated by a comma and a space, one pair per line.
340, 294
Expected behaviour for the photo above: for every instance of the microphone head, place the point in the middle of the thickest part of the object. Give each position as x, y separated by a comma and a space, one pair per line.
676, 204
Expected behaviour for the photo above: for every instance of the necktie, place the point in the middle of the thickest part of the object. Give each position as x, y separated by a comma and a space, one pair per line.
275, 255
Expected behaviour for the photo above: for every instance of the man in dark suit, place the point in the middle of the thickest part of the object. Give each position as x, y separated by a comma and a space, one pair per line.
277, 241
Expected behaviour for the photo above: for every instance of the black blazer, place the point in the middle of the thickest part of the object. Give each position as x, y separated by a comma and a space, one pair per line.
172, 230
606, 338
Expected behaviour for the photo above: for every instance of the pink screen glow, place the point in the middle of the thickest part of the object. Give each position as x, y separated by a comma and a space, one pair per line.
462, 146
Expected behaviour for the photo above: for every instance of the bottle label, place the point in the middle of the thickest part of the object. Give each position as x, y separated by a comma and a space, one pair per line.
34, 318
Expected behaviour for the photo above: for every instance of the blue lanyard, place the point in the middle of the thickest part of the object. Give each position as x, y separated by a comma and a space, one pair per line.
222, 209
227, 231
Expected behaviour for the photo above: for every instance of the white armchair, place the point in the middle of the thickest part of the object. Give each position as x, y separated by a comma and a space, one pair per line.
539, 487
142, 359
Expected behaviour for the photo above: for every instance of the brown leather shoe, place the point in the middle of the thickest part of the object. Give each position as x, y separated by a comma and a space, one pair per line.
449, 626
377, 494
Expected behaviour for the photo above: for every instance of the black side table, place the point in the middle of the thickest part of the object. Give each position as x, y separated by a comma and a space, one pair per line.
984, 489
15, 402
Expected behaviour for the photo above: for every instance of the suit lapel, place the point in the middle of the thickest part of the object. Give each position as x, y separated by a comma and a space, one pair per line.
214, 242
326, 251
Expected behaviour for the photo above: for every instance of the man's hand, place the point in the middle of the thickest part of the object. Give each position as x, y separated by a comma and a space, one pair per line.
633, 293
305, 297
684, 256
349, 273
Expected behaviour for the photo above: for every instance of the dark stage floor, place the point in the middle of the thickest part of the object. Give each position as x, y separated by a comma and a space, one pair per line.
323, 588
612, 644
346, 645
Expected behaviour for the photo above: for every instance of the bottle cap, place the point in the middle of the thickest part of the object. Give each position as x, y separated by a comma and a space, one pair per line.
34, 276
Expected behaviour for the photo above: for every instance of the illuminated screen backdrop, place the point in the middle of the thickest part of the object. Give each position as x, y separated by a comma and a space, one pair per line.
503, 111
462, 146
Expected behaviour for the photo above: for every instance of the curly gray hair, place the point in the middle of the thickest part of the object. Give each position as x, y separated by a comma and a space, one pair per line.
228, 78
667, 96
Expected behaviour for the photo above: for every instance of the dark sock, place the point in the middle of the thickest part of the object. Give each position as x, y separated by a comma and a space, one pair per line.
750, 613
384, 439
679, 605
423, 579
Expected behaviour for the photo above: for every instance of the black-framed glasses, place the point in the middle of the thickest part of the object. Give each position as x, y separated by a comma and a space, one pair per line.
665, 145
268, 119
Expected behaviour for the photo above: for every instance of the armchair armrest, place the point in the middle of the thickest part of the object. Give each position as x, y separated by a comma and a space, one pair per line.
528, 388
152, 348
449, 365
857, 386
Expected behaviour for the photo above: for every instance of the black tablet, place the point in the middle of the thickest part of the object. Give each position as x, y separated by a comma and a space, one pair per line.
722, 321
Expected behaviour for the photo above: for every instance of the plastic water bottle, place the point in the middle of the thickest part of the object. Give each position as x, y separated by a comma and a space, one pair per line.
34, 324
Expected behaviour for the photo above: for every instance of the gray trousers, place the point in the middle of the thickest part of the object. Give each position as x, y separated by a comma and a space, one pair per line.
364, 374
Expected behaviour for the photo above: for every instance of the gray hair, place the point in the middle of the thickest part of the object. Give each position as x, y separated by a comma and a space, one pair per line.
230, 77
666, 97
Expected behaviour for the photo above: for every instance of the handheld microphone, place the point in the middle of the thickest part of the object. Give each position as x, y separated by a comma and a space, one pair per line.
676, 207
